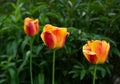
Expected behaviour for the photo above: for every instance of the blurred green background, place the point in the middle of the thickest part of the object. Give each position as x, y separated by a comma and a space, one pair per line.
85, 20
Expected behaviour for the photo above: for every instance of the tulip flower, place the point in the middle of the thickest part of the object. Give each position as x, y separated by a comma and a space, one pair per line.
54, 37
31, 29
31, 26
96, 51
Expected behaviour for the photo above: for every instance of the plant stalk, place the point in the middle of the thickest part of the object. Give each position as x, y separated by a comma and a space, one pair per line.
53, 68
31, 44
94, 74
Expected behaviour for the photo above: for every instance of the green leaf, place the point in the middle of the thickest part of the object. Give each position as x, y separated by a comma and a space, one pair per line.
24, 61
102, 70
40, 79
75, 75
116, 51
2, 81
13, 76
82, 74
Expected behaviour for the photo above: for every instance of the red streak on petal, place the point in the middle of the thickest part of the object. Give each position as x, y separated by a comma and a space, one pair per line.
92, 59
30, 29
49, 40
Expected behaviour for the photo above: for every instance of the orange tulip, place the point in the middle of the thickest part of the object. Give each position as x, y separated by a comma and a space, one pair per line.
54, 37
31, 26
96, 51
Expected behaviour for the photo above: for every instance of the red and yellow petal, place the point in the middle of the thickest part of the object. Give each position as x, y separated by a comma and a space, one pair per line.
60, 34
49, 28
35, 22
90, 56
105, 52
30, 29
49, 39
27, 20
100, 48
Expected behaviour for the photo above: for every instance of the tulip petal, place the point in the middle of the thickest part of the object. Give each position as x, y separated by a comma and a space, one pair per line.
105, 51
49, 27
60, 34
99, 48
49, 39
90, 56
36, 26
27, 20
30, 29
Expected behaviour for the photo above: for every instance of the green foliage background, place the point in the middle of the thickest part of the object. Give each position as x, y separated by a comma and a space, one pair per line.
85, 20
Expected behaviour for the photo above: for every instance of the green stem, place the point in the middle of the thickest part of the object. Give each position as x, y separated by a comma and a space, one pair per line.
31, 43
53, 68
94, 74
